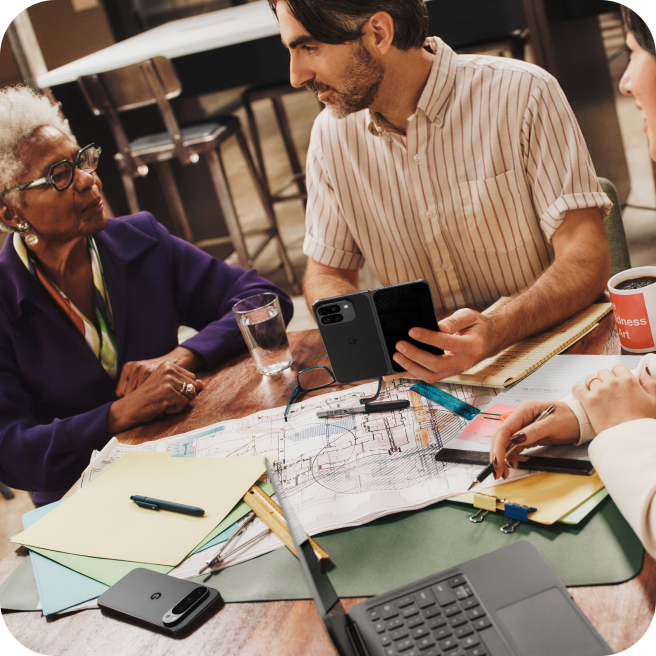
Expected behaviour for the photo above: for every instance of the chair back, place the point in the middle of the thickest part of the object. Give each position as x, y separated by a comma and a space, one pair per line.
150, 82
619, 249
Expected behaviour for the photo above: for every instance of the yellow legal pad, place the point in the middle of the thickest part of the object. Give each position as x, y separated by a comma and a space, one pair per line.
101, 521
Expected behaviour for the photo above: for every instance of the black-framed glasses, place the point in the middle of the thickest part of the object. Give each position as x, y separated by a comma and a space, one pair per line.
60, 174
306, 382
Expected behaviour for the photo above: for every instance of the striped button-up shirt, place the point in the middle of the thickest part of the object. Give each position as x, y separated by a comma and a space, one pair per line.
469, 198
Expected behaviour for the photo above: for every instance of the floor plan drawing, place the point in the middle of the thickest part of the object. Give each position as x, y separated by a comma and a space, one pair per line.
347, 470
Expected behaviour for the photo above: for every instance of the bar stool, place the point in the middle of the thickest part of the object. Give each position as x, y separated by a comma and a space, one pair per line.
275, 93
154, 82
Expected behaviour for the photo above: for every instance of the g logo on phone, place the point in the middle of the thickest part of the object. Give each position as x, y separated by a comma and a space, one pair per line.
352, 340
157, 595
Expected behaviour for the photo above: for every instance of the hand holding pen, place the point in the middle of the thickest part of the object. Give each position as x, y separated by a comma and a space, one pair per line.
518, 442
520, 429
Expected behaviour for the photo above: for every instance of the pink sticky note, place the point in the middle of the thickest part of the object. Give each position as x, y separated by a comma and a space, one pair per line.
475, 437
488, 426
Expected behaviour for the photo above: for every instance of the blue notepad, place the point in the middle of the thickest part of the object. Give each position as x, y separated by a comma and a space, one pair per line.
59, 587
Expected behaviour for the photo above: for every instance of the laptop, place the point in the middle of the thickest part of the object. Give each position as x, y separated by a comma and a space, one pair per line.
506, 603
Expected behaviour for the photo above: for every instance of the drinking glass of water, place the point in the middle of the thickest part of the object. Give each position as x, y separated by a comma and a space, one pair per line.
261, 323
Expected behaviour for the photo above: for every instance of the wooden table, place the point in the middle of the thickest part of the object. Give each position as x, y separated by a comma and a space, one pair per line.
621, 613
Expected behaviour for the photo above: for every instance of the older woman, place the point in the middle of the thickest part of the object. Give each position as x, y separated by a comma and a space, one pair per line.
618, 406
90, 307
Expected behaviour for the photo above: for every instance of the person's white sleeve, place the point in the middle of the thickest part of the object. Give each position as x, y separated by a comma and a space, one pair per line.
586, 432
625, 458
328, 239
556, 159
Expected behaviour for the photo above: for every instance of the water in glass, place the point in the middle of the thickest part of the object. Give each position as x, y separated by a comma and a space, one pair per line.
264, 332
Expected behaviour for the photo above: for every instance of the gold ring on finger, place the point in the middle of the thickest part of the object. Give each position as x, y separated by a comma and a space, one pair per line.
588, 381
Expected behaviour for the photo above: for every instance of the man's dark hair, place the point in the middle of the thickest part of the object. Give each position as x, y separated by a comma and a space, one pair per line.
639, 29
339, 21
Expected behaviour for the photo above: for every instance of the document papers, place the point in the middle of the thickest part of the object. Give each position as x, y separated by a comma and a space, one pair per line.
101, 521
519, 360
343, 471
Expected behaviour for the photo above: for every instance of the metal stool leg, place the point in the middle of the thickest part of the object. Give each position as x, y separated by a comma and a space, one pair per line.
130, 192
173, 200
283, 124
255, 138
227, 207
268, 206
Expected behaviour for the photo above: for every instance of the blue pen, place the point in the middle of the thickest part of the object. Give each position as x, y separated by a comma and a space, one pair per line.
158, 504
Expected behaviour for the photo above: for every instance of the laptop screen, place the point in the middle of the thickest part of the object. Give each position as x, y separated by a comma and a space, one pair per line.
320, 586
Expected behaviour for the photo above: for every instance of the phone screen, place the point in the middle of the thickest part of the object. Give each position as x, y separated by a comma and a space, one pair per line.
401, 307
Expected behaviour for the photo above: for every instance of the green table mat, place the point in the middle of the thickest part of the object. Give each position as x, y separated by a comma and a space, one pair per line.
400, 548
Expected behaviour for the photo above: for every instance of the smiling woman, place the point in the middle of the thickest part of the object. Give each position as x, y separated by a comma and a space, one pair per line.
90, 307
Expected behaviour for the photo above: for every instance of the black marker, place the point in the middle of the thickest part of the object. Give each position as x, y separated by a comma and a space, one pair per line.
367, 408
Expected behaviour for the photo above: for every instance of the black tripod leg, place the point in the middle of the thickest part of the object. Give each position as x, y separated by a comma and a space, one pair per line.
375, 396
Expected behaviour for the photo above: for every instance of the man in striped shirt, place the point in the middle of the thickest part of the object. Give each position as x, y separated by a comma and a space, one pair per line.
467, 171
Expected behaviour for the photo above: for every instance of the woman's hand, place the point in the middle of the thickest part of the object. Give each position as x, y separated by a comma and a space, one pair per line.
561, 427
616, 396
167, 389
135, 374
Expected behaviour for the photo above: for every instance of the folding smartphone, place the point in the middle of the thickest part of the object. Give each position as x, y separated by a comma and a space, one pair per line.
360, 330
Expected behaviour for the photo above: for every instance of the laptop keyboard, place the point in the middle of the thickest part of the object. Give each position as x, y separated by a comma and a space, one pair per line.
441, 620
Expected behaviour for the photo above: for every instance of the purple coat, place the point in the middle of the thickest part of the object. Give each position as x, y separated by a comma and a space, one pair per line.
54, 393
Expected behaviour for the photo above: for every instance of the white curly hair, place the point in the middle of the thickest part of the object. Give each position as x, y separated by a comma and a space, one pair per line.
22, 111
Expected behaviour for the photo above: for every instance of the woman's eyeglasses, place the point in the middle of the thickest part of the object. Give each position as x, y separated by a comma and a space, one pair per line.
60, 174
313, 378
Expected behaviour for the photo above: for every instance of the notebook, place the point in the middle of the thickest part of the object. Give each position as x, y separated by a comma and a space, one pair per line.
517, 361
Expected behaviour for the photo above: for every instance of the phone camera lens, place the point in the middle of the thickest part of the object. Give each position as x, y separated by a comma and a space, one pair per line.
328, 309
333, 318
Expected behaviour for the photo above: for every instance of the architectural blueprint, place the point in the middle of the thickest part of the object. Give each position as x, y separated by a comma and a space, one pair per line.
343, 471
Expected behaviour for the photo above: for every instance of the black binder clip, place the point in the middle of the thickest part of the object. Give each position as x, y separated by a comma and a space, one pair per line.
517, 512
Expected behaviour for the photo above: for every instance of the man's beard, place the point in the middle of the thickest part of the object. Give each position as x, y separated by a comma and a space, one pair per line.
362, 82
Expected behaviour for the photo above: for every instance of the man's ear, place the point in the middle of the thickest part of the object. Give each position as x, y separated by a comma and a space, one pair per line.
379, 31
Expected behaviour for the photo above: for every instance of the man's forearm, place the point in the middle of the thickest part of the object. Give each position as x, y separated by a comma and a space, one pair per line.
574, 280
321, 281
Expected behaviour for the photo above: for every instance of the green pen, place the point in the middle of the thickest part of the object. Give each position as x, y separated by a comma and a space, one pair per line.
158, 504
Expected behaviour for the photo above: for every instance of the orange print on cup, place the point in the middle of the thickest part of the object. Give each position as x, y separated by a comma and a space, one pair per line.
632, 321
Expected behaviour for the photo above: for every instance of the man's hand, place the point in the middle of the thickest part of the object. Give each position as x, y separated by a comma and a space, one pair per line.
561, 427
135, 374
616, 397
467, 337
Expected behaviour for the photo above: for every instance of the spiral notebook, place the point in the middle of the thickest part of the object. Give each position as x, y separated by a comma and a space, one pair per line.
519, 360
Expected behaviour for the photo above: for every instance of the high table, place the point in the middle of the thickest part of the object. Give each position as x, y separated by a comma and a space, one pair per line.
621, 613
